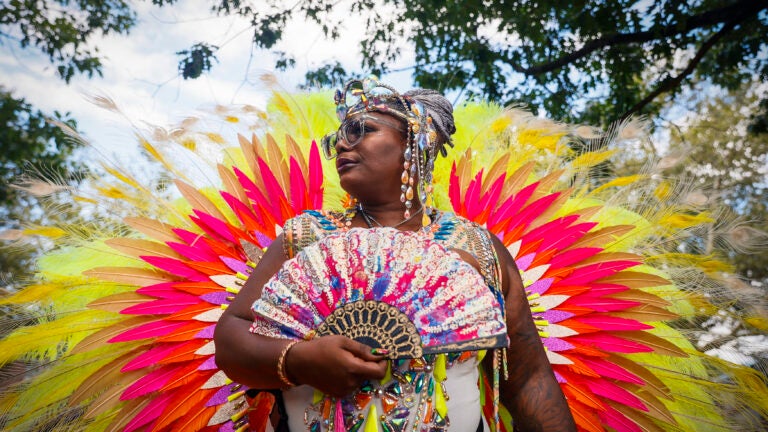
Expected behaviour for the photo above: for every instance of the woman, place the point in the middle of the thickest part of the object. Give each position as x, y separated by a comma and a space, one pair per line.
384, 151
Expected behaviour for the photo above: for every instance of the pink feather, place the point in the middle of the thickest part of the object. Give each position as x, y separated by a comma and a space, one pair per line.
162, 307
610, 323
507, 211
193, 239
590, 273
550, 231
151, 382
299, 195
572, 256
150, 357
273, 190
570, 235
610, 370
525, 216
161, 290
150, 413
472, 197
243, 212
194, 253
618, 421
613, 392
454, 192
601, 304
148, 330
175, 267
315, 177
213, 226
610, 343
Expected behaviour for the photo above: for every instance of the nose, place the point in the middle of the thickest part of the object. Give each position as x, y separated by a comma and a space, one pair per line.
341, 144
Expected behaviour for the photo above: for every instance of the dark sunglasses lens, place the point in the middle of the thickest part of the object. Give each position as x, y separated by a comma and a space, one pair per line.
328, 144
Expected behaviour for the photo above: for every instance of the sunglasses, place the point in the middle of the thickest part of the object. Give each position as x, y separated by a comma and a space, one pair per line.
353, 131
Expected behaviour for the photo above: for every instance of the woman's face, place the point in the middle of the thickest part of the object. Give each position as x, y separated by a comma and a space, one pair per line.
373, 166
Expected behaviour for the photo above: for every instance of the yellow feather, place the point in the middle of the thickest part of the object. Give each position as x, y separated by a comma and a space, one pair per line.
50, 232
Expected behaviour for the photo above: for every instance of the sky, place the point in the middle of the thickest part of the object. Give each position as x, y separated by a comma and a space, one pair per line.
140, 71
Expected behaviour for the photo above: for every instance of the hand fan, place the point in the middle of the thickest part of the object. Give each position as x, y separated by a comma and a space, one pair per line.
397, 290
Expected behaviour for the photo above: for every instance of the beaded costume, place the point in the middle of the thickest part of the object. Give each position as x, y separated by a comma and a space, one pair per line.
116, 333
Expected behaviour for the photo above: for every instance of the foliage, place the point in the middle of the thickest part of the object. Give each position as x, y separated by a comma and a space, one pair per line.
29, 141
594, 62
196, 60
730, 162
63, 30
624, 56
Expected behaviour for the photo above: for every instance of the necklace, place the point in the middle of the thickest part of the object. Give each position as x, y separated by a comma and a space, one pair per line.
370, 220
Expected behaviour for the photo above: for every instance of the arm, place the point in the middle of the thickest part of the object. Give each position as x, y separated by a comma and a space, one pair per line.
333, 364
531, 394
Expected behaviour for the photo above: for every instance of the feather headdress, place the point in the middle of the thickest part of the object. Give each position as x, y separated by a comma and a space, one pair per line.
117, 331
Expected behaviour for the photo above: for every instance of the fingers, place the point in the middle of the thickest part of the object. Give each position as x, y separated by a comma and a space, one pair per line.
366, 363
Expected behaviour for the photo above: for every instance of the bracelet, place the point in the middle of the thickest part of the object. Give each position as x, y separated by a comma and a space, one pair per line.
281, 364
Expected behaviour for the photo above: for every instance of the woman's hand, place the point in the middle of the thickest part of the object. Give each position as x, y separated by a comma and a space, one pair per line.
335, 365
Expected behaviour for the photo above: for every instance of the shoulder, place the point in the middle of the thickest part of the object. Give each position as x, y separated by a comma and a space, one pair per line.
308, 227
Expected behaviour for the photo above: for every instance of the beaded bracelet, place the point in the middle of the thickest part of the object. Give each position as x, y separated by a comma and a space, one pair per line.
281, 364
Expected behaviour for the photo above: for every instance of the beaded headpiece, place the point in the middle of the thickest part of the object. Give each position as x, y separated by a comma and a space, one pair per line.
422, 144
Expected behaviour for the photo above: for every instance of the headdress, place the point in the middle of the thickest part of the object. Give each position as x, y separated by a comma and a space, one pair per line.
422, 144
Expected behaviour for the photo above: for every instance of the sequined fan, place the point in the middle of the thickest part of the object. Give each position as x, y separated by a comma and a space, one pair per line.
397, 290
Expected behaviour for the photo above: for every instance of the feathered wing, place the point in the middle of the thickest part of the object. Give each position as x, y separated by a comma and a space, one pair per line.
123, 316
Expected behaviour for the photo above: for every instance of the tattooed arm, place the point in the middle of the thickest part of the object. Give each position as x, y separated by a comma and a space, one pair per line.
531, 394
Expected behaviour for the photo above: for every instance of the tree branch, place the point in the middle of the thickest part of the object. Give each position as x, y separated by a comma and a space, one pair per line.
733, 13
671, 82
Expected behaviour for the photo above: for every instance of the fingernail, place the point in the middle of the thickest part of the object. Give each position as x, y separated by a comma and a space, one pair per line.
379, 351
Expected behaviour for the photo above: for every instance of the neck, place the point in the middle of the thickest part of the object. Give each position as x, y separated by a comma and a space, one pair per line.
391, 216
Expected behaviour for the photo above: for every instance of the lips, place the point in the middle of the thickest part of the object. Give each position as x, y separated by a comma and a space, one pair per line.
344, 163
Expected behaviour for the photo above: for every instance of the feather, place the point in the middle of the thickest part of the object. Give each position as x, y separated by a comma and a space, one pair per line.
138, 247
128, 411
659, 345
517, 179
152, 228
277, 164
186, 403
231, 184
118, 302
603, 237
149, 413
104, 377
315, 177
211, 268
634, 279
197, 200
102, 337
161, 307
298, 188
150, 357
151, 329
150, 382
642, 420
618, 421
600, 271
130, 275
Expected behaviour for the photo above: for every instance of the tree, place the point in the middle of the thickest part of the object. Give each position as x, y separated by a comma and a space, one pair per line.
622, 56
28, 141
63, 30
585, 61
